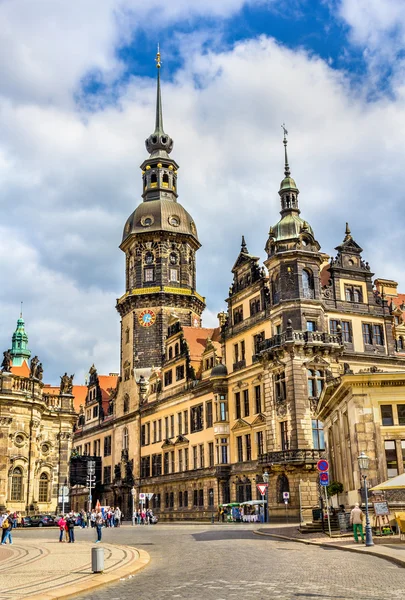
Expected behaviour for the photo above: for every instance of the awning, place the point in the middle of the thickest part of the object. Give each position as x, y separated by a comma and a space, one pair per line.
396, 483
252, 502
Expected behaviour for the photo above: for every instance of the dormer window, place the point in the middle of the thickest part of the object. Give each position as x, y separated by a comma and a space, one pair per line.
353, 293
149, 258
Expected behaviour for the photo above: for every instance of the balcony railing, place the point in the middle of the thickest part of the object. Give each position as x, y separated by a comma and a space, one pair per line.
241, 364
298, 456
307, 337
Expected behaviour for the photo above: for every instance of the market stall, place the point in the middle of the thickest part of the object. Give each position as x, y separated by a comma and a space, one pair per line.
252, 511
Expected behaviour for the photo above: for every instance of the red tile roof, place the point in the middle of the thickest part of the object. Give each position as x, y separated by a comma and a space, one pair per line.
22, 371
196, 338
79, 392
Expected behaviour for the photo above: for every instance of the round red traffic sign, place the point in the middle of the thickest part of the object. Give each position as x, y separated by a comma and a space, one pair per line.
324, 476
322, 465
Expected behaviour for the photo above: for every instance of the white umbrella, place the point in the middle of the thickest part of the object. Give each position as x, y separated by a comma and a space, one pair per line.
396, 483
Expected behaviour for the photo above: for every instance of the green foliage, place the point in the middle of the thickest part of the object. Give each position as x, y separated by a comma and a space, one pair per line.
335, 487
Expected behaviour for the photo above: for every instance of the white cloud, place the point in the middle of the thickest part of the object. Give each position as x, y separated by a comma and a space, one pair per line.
69, 179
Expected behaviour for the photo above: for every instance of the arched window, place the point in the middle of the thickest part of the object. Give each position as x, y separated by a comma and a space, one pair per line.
282, 486
307, 283
276, 289
43, 488
165, 180
153, 180
125, 438
16, 485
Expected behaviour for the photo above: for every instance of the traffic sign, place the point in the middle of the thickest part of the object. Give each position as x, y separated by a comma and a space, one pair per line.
324, 478
149, 496
142, 496
286, 495
262, 487
322, 465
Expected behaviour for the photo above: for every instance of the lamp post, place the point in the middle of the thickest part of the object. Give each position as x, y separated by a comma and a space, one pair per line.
363, 461
266, 477
212, 506
133, 494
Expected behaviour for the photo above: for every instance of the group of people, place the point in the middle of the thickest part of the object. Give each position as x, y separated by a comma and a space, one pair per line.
96, 519
144, 517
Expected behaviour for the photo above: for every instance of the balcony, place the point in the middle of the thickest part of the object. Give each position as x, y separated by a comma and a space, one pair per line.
241, 364
304, 337
292, 457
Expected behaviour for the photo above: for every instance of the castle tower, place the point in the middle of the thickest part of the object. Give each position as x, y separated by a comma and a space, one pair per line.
159, 241
19, 344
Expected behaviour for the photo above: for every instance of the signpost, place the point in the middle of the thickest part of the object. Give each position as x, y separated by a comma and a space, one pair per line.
323, 468
286, 498
133, 494
91, 479
262, 487
63, 496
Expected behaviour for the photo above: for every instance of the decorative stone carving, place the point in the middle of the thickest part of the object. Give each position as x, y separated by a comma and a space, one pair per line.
5, 421
6, 364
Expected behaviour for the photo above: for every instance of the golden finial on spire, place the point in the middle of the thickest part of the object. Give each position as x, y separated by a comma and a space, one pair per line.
157, 59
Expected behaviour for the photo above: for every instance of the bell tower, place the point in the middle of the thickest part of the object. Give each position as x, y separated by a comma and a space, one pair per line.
160, 242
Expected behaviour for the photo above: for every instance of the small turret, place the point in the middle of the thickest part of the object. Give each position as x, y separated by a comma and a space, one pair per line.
19, 345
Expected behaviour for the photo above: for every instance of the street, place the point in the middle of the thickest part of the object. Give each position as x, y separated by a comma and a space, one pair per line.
221, 562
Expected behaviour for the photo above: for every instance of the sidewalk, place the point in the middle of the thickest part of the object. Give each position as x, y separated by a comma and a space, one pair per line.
389, 548
47, 570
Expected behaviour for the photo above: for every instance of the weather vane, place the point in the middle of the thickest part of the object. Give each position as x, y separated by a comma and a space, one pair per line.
283, 127
157, 59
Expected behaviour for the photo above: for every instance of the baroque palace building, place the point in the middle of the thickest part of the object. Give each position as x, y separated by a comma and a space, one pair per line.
197, 415
36, 431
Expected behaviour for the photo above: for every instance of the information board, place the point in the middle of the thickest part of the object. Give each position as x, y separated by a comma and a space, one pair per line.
381, 508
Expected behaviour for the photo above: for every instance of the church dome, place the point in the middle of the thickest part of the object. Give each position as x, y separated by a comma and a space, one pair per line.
160, 215
291, 226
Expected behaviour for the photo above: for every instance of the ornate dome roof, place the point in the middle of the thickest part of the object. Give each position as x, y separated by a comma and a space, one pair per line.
290, 227
160, 215
219, 371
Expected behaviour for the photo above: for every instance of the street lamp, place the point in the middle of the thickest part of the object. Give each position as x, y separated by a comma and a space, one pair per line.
266, 477
212, 506
363, 461
133, 494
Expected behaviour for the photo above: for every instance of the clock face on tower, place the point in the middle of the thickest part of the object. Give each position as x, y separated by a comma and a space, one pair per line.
146, 318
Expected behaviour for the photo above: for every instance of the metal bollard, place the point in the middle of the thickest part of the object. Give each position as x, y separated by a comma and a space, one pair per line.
97, 560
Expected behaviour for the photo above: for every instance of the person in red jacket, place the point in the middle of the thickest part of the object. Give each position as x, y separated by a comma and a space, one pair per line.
62, 528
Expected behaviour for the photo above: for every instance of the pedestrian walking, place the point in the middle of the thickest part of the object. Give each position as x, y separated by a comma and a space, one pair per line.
356, 519
99, 524
71, 527
117, 517
6, 528
93, 518
62, 528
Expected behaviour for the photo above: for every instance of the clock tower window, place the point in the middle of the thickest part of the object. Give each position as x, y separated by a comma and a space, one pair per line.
174, 275
149, 274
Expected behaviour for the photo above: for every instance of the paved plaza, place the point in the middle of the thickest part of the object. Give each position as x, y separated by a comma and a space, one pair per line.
221, 562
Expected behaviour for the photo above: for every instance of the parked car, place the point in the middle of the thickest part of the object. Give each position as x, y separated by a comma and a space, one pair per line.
26, 521
42, 521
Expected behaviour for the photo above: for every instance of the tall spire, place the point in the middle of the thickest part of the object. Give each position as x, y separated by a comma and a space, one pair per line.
159, 144
243, 246
288, 188
287, 171
19, 344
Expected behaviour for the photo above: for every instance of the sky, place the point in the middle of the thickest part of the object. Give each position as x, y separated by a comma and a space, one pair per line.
77, 95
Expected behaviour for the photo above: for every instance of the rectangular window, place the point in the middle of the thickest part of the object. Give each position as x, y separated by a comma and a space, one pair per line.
185, 413
257, 340
167, 500
174, 275
391, 458
386, 415
222, 410
239, 441
347, 331
255, 306
280, 386
180, 373
237, 405
166, 463
367, 333
208, 414
149, 274
143, 435
180, 460
156, 465
197, 418
166, 428
186, 459
333, 326
202, 458
172, 462
180, 423
378, 335
246, 402
260, 443
96, 448
211, 454
106, 475
172, 426
236, 352
168, 378
95, 411
154, 432
107, 445
211, 497
401, 414
258, 399
238, 315
242, 350
180, 500
248, 446
145, 466
185, 499
284, 435
195, 498
159, 430
311, 326
318, 438
195, 464
201, 497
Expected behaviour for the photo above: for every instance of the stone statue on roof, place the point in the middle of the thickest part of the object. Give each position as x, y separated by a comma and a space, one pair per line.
33, 366
6, 364
64, 384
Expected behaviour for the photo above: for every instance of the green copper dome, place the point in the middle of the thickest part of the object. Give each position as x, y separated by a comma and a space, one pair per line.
19, 347
290, 227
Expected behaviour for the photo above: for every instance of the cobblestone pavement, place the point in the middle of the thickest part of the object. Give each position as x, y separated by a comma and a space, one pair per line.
203, 562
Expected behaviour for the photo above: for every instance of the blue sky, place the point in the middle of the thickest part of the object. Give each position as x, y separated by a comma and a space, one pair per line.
77, 97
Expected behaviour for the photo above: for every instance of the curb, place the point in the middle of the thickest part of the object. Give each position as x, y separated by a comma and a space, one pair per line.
393, 559
97, 580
